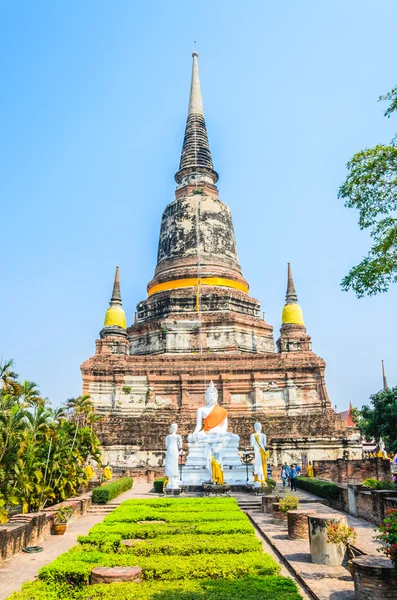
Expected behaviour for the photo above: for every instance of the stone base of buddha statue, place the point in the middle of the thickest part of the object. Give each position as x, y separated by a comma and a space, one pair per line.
197, 468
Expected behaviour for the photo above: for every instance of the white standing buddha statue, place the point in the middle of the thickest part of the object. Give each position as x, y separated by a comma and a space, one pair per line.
173, 445
258, 443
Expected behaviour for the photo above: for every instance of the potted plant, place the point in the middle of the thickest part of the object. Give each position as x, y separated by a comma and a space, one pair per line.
60, 519
388, 537
342, 536
290, 502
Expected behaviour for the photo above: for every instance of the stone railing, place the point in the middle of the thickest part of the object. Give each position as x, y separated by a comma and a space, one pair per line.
352, 471
370, 505
29, 529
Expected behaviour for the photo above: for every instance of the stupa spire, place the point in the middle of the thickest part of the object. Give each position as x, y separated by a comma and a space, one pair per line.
196, 161
116, 296
292, 312
115, 315
385, 384
291, 296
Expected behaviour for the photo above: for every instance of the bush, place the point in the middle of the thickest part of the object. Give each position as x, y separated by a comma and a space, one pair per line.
75, 566
134, 530
375, 484
290, 502
324, 489
158, 485
272, 587
123, 515
185, 503
192, 559
181, 545
105, 493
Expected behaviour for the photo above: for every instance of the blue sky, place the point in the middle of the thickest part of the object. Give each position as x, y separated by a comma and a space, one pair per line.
92, 114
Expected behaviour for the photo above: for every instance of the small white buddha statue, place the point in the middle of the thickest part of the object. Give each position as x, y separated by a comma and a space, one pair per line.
258, 443
211, 420
173, 445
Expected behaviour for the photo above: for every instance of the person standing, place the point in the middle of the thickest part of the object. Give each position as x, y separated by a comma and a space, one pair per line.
292, 478
283, 475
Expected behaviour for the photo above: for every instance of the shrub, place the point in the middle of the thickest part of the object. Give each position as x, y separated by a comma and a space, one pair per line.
179, 503
388, 536
324, 489
123, 515
181, 545
105, 493
75, 566
140, 531
272, 587
290, 502
158, 485
375, 484
339, 533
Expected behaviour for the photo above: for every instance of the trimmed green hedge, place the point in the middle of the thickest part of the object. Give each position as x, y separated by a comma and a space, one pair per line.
122, 515
181, 545
158, 485
184, 503
272, 587
105, 493
184, 559
129, 531
324, 489
74, 567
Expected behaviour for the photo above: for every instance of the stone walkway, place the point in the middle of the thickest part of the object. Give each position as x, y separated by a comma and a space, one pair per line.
24, 567
314, 581
323, 582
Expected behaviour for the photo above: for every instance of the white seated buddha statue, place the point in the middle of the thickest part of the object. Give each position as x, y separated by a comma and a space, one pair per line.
211, 421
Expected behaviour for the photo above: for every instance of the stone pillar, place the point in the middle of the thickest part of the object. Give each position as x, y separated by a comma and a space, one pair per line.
322, 552
267, 502
298, 524
373, 578
278, 516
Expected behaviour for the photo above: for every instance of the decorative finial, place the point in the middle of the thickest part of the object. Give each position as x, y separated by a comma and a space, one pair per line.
385, 385
291, 296
196, 161
115, 315
116, 296
292, 312
195, 100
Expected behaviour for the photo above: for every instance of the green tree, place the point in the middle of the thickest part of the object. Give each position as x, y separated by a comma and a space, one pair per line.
371, 188
43, 451
380, 419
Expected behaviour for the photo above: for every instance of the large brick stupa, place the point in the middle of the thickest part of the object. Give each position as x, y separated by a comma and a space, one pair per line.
198, 324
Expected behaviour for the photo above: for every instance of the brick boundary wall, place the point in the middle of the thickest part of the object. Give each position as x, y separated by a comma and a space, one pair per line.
352, 471
31, 528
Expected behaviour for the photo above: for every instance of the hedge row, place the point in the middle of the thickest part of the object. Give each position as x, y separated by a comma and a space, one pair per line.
184, 503
247, 588
158, 485
122, 515
105, 493
128, 531
180, 560
324, 489
74, 567
181, 545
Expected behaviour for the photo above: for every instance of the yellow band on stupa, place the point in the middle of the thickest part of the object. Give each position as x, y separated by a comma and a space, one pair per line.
194, 281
